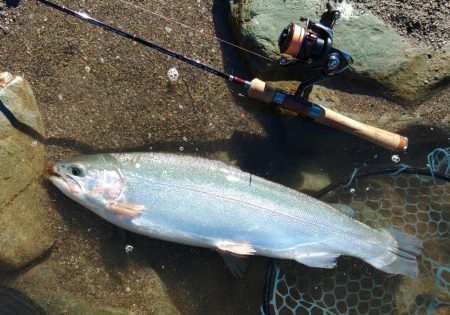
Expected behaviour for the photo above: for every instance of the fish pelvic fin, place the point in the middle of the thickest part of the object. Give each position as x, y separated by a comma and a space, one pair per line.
402, 251
236, 248
237, 264
126, 209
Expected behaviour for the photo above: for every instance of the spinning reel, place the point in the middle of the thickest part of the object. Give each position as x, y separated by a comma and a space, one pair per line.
312, 49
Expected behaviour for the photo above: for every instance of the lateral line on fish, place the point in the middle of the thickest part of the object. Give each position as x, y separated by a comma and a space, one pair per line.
251, 204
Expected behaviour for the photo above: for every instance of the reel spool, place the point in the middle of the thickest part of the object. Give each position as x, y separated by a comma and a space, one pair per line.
302, 43
311, 48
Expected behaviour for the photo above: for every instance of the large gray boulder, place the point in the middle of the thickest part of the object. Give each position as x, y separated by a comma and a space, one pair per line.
23, 202
381, 55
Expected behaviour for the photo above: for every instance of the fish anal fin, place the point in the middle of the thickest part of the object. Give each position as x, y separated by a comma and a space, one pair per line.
237, 248
126, 209
236, 264
318, 259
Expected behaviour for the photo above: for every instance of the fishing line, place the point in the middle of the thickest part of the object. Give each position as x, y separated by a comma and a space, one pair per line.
84, 16
330, 62
385, 171
193, 29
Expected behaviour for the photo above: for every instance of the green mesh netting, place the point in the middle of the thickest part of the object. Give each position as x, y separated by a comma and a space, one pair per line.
409, 200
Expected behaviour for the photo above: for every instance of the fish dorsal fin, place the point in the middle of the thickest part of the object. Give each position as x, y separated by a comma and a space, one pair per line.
345, 209
237, 265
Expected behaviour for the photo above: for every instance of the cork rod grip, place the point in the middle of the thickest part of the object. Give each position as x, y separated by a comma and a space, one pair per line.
386, 139
391, 141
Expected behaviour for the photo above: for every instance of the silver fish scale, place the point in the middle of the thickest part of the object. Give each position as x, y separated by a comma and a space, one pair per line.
199, 202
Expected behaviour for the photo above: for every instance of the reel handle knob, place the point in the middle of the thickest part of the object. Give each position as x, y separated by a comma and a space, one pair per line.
261, 91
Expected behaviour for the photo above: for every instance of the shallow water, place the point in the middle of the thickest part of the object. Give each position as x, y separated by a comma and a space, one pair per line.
101, 93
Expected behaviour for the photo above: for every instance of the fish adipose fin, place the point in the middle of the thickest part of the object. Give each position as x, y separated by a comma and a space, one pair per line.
237, 265
345, 209
402, 250
126, 209
237, 248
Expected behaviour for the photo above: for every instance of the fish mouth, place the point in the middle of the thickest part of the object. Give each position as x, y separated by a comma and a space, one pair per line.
64, 182
57, 179
51, 172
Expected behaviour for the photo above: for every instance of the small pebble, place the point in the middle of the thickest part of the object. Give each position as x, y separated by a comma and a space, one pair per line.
352, 190
87, 69
168, 29
181, 149
128, 289
173, 74
129, 249
395, 158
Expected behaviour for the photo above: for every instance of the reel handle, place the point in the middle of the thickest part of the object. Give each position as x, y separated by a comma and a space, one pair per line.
322, 115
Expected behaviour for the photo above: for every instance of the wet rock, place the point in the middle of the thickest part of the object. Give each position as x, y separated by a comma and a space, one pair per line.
23, 202
381, 55
47, 285
14, 302
40, 284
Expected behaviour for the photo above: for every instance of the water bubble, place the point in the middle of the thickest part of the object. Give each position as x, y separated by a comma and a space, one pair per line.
181, 149
173, 74
128, 249
395, 158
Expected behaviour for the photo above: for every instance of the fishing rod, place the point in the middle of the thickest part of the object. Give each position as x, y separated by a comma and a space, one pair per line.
311, 47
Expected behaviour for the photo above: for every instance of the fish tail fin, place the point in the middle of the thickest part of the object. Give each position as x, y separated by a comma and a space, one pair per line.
402, 251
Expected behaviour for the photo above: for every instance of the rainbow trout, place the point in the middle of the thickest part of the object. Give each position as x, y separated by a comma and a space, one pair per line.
206, 203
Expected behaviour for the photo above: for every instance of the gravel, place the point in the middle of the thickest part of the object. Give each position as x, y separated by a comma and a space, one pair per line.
424, 22
98, 92
7, 18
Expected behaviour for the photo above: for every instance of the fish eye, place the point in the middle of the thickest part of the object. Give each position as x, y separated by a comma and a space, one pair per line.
77, 171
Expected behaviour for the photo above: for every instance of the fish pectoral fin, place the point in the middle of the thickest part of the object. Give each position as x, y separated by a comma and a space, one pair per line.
238, 248
236, 264
126, 209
